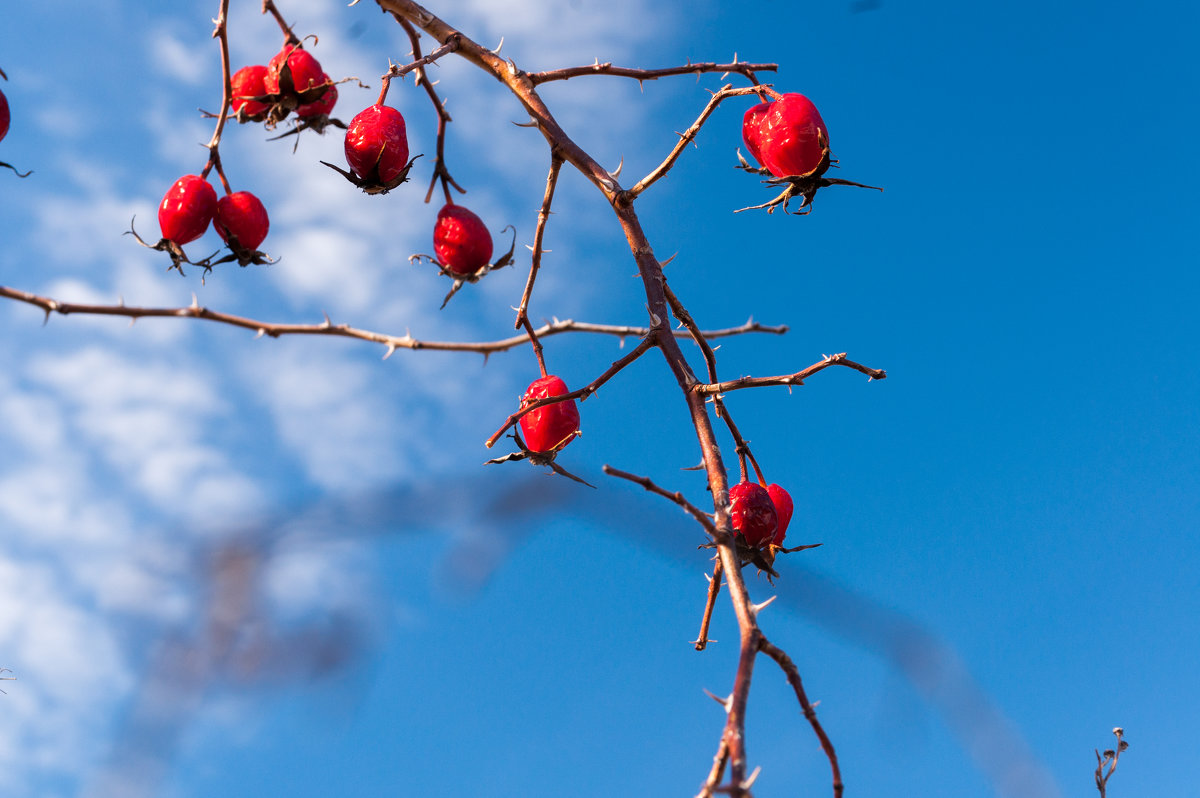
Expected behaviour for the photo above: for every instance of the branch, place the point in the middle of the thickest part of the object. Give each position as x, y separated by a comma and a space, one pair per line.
790, 379
392, 342
687, 137
703, 518
793, 677
538, 238
640, 75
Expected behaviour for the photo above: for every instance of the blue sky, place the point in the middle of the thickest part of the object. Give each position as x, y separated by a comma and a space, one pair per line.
1009, 520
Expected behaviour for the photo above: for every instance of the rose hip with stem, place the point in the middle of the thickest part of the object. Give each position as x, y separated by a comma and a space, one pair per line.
752, 513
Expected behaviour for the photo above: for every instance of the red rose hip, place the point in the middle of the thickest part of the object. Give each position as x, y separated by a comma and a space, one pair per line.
461, 240
187, 209
246, 83
377, 144
294, 70
552, 427
752, 513
752, 129
783, 511
792, 136
243, 216
5, 116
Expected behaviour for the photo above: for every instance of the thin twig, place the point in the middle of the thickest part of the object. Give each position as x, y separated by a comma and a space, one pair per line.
1110, 759
790, 379
640, 75
714, 588
793, 676
538, 239
704, 519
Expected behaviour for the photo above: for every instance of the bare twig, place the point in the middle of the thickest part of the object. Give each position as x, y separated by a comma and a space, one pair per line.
640, 75
539, 239
793, 677
714, 588
704, 519
790, 379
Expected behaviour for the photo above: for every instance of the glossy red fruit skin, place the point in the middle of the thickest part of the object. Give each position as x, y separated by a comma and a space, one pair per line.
5, 116
461, 240
322, 106
783, 511
752, 513
305, 72
751, 129
249, 81
187, 209
552, 427
243, 215
377, 143
790, 136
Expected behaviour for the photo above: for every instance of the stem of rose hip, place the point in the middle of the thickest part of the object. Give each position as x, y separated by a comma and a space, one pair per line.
537, 347
268, 7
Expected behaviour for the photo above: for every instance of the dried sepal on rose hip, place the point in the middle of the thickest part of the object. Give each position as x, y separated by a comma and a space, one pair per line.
294, 72
376, 150
752, 513
790, 140
462, 247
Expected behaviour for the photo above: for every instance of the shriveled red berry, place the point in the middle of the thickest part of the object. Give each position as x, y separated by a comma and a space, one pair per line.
294, 70
461, 240
5, 116
552, 427
752, 129
752, 513
792, 136
323, 106
377, 144
242, 215
187, 209
783, 511
248, 82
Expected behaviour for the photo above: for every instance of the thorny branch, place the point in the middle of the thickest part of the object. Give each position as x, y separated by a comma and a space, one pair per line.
539, 236
392, 342
790, 379
524, 88
640, 75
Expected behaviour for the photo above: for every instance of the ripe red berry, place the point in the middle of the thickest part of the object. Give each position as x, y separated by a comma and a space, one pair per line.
377, 144
248, 82
323, 106
4, 116
752, 513
242, 215
187, 209
783, 511
552, 427
293, 70
461, 241
752, 129
792, 136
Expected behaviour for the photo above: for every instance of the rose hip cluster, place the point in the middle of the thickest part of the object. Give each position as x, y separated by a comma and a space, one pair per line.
191, 205
291, 81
